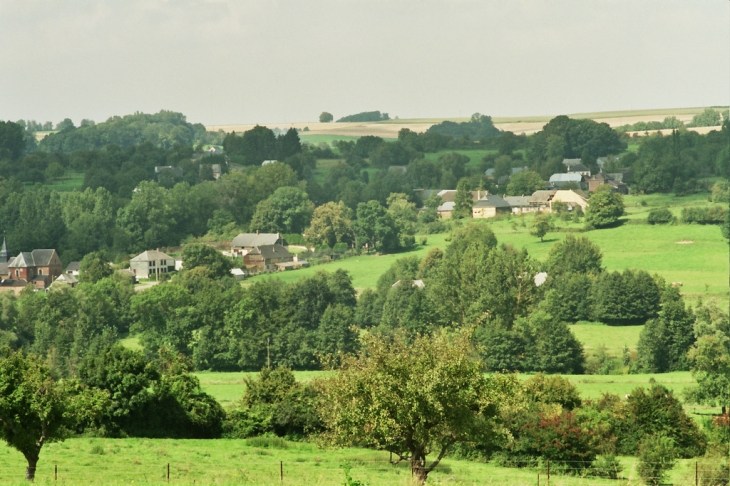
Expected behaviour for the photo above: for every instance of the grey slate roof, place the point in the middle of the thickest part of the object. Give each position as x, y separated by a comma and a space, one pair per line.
447, 206
566, 178
578, 168
491, 202
35, 258
151, 255
271, 251
542, 196
571, 162
250, 240
518, 201
73, 267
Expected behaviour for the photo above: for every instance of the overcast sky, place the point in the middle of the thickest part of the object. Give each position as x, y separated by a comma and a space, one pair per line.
286, 61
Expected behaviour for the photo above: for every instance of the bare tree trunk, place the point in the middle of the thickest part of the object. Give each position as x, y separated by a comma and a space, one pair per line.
30, 470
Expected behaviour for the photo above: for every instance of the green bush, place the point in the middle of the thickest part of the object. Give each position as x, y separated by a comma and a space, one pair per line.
657, 456
544, 388
607, 467
266, 442
559, 438
660, 216
704, 215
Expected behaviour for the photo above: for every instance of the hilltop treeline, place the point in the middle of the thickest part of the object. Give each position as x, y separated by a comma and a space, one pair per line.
164, 130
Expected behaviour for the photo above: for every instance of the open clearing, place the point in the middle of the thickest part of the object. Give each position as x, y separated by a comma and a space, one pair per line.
259, 462
518, 125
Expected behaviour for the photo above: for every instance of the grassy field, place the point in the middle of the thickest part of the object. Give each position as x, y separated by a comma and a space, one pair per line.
227, 387
701, 266
595, 334
261, 461
70, 181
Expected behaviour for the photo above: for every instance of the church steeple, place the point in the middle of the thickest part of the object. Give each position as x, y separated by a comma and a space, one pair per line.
4, 253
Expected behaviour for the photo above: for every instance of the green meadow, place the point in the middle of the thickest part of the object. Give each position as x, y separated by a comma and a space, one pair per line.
261, 461
695, 255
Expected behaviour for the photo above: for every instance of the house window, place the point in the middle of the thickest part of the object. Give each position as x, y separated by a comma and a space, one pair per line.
40, 272
17, 273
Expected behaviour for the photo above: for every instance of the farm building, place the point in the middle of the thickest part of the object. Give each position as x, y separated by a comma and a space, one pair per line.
265, 257
151, 263
520, 204
489, 207
446, 209
245, 242
579, 169
559, 181
572, 197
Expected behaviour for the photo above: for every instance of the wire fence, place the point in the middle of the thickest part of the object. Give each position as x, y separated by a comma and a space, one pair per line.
706, 472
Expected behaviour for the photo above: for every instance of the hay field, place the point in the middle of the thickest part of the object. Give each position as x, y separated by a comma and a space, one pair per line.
518, 125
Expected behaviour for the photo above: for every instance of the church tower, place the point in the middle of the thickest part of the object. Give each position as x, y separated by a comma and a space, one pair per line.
4, 253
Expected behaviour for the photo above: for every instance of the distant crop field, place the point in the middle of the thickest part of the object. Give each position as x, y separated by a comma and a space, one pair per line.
261, 461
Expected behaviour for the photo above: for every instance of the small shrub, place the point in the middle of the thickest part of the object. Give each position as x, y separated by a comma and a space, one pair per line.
704, 215
657, 456
607, 467
265, 442
97, 449
660, 216
423, 241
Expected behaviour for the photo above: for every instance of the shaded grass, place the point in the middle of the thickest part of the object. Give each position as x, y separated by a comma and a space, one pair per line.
69, 182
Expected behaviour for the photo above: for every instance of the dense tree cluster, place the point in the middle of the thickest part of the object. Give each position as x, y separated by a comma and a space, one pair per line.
570, 138
365, 116
674, 163
163, 130
479, 127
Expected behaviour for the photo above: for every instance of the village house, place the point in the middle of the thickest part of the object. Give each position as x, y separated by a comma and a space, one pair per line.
573, 198
151, 264
38, 267
265, 257
559, 181
600, 178
217, 172
73, 268
489, 207
245, 242
540, 200
579, 169
65, 279
520, 204
168, 169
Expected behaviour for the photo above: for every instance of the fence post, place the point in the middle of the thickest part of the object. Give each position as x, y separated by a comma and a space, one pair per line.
281, 471
548, 471
697, 476
55, 472
538, 479
168, 472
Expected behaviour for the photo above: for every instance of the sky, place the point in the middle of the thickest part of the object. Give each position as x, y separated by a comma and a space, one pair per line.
276, 61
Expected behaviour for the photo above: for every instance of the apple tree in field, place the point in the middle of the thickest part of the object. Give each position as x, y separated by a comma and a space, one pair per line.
413, 398
36, 409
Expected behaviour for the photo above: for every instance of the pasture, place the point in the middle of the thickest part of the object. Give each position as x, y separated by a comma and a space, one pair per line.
695, 255
260, 461
228, 387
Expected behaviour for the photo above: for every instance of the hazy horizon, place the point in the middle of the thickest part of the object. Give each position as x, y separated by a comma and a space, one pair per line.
225, 62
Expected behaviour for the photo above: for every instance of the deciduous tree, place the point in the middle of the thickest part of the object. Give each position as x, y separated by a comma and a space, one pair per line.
412, 398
